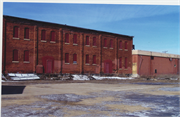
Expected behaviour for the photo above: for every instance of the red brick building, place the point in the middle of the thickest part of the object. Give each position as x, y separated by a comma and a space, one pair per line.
154, 63
31, 46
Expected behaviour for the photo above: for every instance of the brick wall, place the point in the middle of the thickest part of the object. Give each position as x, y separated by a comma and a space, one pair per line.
51, 54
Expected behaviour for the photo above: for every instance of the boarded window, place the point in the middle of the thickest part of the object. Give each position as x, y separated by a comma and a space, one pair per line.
94, 41
15, 55
87, 40
67, 38
43, 35
15, 32
111, 43
120, 62
94, 59
126, 45
125, 62
26, 55
87, 58
66, 57
26, 33
52, 36
74, 58
120, 45
75, 39
105, 42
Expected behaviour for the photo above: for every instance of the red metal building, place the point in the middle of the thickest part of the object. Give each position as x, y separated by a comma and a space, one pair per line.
154, 63
31, 46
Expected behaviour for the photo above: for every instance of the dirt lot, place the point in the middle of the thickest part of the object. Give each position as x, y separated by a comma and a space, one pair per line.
93, 98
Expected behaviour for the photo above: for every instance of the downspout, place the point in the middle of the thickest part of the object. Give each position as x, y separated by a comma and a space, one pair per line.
37, 47
5, 50
101, 55
61, 50
82, 54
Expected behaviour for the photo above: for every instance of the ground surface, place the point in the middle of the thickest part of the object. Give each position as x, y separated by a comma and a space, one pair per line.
132, 98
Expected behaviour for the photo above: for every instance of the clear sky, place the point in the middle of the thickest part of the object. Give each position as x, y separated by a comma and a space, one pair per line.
154, 27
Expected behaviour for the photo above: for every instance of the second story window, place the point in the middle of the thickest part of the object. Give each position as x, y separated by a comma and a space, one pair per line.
111, 43
26, 33
94, 41
15, 55
15, 31
75, 38
43, 35
126, 45
52, 36
74, 58
66, 38
87, 40
105, 42
120, 45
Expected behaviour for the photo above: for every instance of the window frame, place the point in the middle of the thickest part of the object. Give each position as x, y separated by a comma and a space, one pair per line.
74, 58
94, 59
43, 36
75, 39
53, 36
87, 59
26, 33
67, 38
87, 41
15, 32
26, 56
15, 55
94, 41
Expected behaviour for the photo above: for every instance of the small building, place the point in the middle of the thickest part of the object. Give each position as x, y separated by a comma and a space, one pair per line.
31, 46
147, 63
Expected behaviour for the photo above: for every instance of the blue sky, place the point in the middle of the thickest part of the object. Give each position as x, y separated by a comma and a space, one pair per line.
154, 27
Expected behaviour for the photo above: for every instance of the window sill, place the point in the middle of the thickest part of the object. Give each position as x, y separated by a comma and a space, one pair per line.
125, 69
75, 63
125, 49
67, 63
27, 39
94, 46
87, 64
120, 49
87, 45
52, 42
75, 44
110, 48
93, 64
120, 68
16, 38
43, 41
105, 47
26, 62
67, 43
15, 61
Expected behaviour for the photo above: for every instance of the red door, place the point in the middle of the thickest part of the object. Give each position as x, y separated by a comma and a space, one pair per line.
107, 66
49, 66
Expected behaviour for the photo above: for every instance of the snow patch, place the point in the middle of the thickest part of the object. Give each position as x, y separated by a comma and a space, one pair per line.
84, 77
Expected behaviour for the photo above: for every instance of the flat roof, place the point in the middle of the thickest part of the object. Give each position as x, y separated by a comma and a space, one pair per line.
151, 53
64, 26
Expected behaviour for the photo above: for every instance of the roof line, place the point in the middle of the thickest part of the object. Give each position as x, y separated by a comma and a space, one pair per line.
66, 26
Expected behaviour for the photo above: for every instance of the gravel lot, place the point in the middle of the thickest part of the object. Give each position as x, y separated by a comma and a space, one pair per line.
93, 98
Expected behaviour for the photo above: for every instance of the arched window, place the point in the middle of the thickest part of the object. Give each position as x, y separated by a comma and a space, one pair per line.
66, 38
43, 35
15, 55
52, 36
26, 55
15, 32
74, 58
26, 33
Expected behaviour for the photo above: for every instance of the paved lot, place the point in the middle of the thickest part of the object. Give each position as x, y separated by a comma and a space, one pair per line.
93, 99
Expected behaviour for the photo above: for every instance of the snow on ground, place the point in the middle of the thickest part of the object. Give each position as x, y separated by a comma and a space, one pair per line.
84, 77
